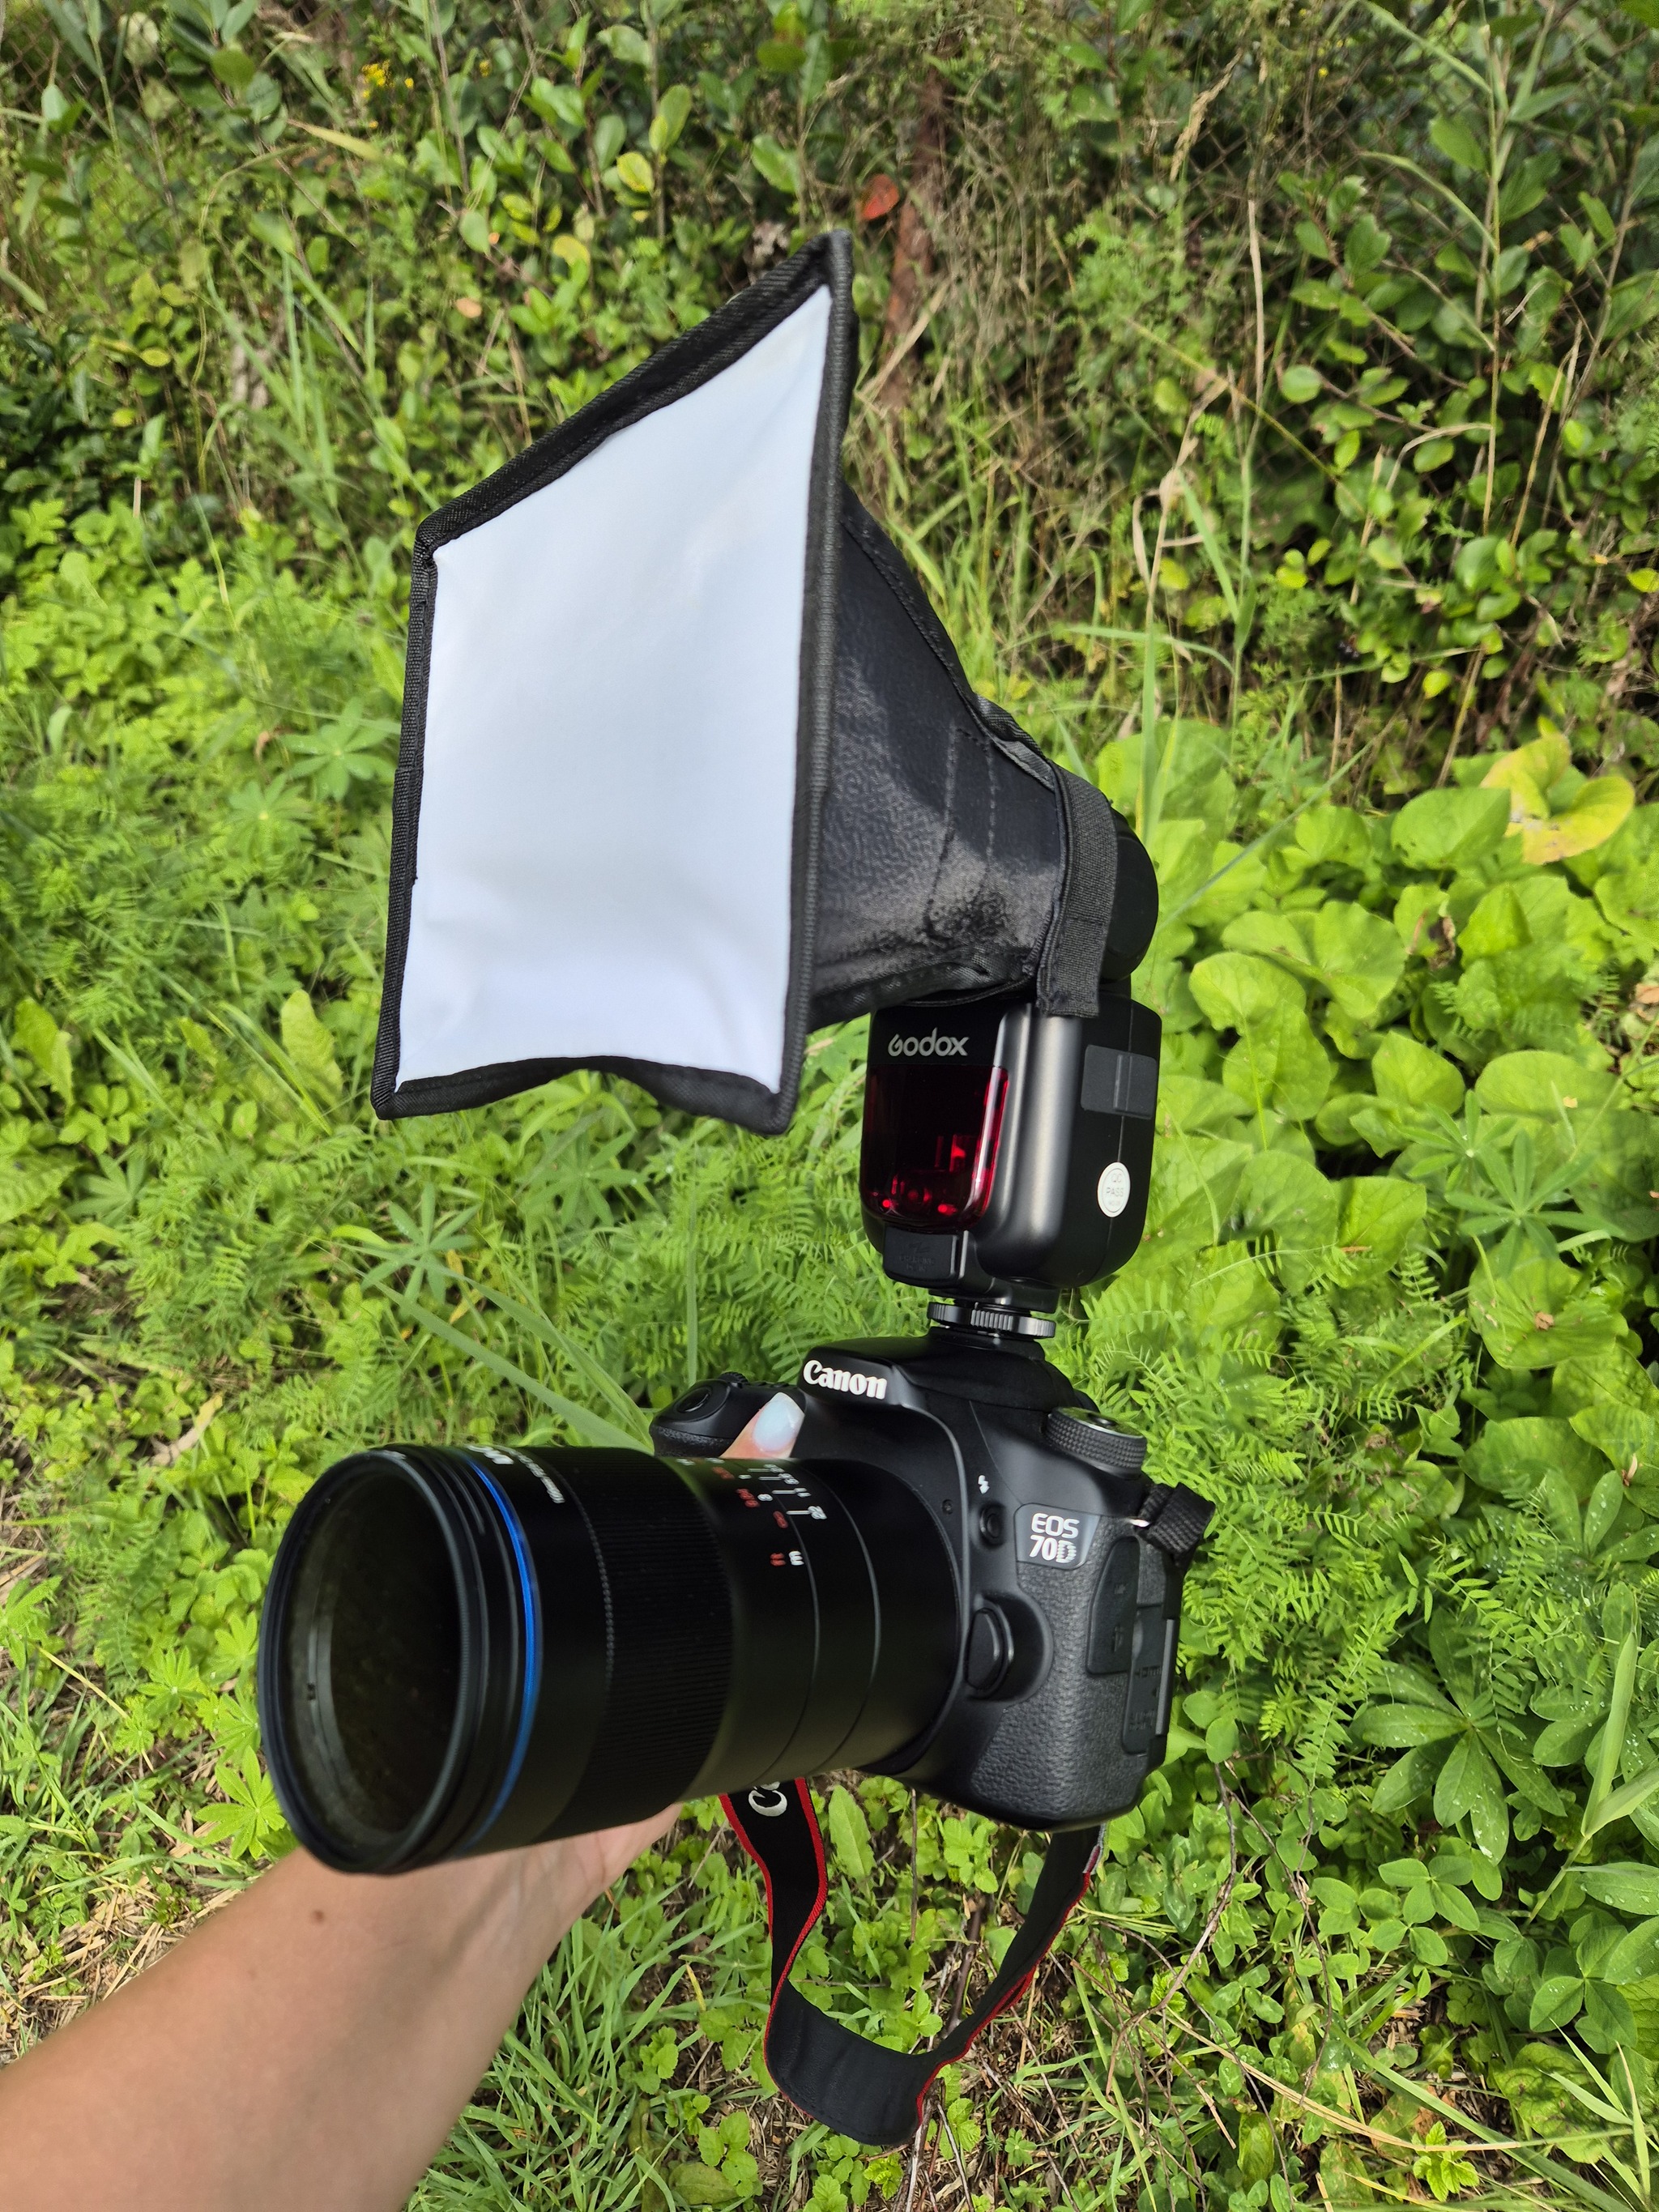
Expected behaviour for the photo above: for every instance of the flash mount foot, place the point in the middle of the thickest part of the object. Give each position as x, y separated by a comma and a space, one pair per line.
995, 1321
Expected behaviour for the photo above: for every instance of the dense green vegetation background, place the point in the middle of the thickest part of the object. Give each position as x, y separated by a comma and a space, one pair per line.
1266, 396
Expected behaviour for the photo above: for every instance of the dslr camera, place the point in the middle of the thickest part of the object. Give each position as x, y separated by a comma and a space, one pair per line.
931, 1559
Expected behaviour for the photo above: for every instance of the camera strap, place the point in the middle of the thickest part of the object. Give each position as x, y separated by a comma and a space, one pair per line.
859, 2088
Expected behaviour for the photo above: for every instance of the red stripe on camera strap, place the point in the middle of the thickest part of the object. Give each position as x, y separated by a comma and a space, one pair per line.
858, 2087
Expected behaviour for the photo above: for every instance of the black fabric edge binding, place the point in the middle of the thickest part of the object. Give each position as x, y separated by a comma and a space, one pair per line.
859, 2088
671, 375
692, 1090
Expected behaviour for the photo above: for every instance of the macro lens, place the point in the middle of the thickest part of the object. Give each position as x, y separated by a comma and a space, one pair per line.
464, 1650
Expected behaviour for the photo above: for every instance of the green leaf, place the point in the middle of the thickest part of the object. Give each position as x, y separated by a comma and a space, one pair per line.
558, 105
849, 1834
1600, 1511
1239, 991
1613, 1736
1381, 1216
1407, 1073
310, 1047
1510, 1456
1458, 144
1621, 1803
1625, 1884
1608, 2024
1635, 1956
1397, 1728
1555, 2002
673, 112
1278, 1065
1288, 1197
475, 230
233, 68
34, 1032
609, 137
1540, 1312
780, 168
26, 1615
1300, 383
1450, 1902
1543, 1083
1450, 829
628, 45
1355, 955
31, 1181
1366, 245
1430, 1948
1563, 1742
354, 748
1469, 1786
1408, 1779
1629, 1438
1358, 955
636, 172
1434, 454
693, 2183
1413, 1685
250, 1822
1632, 304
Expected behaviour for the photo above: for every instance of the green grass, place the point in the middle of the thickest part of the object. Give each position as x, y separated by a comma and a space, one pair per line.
1281, 449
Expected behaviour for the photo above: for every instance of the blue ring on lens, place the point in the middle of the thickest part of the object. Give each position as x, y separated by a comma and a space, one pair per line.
533, 1661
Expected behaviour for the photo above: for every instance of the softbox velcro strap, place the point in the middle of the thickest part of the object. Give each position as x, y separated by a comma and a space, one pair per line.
1068, 979
859, 2088
1174, 1518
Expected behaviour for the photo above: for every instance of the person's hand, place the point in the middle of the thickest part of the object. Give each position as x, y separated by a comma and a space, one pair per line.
581, 1867
309, 2045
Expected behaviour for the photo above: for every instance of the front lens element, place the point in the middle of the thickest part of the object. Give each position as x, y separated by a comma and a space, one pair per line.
380, 1665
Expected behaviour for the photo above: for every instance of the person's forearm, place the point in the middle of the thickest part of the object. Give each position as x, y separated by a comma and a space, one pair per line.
310, 2044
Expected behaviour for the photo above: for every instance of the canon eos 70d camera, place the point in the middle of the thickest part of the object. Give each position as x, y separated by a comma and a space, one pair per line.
929, 1558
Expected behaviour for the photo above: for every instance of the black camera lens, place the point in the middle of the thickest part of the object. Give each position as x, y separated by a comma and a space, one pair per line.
466, 1650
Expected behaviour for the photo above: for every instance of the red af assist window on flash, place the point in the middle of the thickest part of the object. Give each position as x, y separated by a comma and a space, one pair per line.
931, 1128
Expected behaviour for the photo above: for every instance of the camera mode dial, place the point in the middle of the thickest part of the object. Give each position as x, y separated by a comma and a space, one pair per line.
1116, 1451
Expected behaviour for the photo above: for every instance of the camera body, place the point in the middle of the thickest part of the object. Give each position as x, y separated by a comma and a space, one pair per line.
1062, 1658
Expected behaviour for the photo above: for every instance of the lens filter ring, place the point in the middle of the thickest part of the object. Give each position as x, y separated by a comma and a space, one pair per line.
392, 1661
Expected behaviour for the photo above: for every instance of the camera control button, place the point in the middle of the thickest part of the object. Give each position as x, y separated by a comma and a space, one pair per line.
993, 1524
990, 1647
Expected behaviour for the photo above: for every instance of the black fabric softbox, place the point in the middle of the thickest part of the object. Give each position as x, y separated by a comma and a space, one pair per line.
689, 765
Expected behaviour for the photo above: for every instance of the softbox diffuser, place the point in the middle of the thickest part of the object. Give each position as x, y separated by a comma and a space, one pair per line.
688, 764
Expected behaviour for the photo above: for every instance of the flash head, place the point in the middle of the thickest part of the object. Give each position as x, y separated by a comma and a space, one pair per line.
1007, 1153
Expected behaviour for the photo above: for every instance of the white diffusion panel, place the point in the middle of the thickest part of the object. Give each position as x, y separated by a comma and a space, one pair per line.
607, 806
